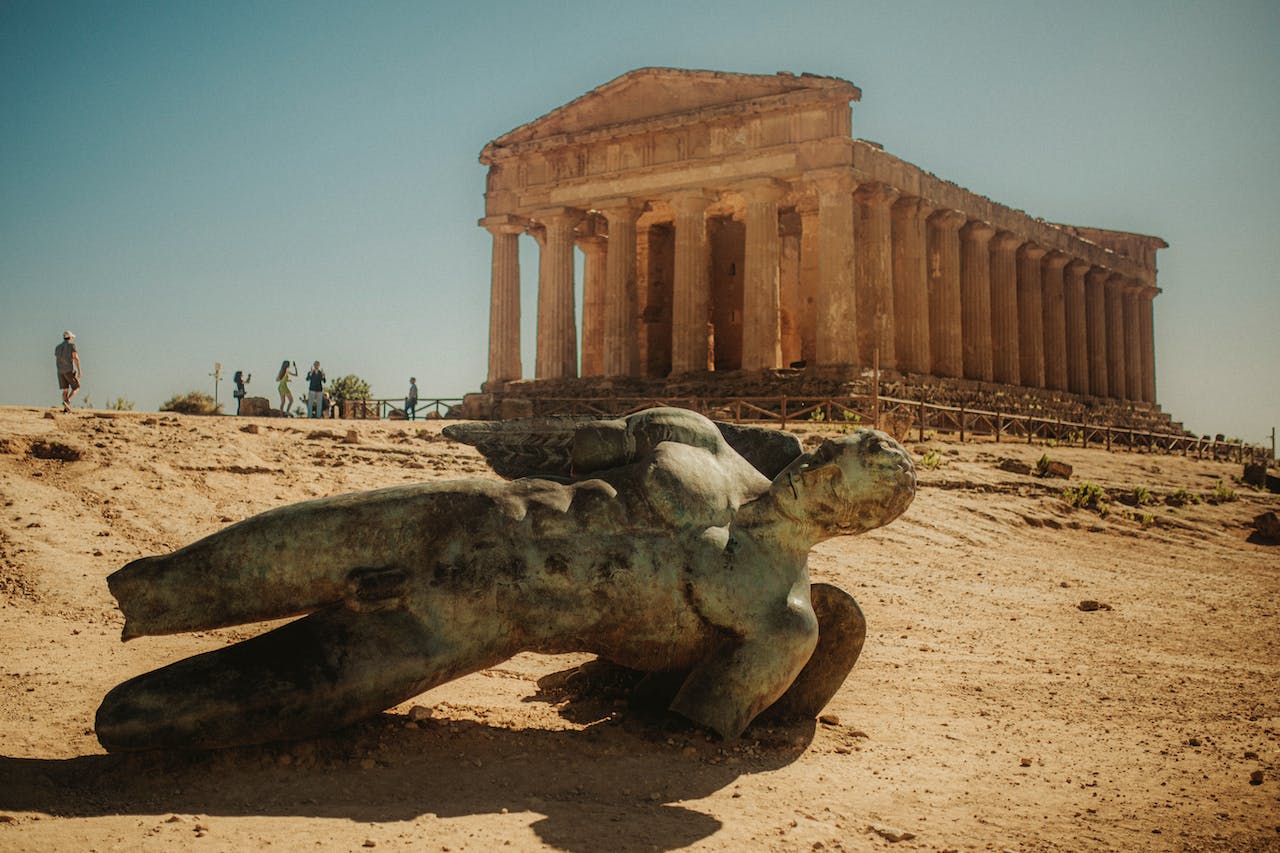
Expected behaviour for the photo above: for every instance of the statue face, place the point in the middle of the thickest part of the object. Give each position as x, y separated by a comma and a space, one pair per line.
850, 484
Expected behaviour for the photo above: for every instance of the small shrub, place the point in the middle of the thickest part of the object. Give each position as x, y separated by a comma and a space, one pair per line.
1042, 465
1182, 497
192, 403
931, 460
1222, 494
1141, 496
1088, 496
120, 404
1145, 519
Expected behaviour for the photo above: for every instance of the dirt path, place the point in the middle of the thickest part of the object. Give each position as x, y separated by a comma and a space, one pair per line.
987, 711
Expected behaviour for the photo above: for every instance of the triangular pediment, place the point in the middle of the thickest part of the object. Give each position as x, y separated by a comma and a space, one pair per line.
649, 93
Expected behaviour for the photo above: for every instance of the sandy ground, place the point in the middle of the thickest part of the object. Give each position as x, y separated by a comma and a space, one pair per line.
987, 712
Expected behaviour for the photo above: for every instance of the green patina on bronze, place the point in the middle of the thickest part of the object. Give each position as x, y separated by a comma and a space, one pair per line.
649, 541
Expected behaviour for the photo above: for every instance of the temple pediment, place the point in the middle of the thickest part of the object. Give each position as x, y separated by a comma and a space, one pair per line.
650, 93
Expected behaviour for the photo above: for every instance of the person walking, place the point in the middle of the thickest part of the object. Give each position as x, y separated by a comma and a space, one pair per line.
411, 402
282, 384
315, 390
67, 360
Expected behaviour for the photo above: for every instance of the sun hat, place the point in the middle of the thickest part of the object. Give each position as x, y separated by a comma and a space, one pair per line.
68, 335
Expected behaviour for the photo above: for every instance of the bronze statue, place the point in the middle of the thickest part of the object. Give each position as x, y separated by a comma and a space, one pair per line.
648, 540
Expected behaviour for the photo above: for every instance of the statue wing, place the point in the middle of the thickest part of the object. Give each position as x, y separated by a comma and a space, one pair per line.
544, 447
524, 447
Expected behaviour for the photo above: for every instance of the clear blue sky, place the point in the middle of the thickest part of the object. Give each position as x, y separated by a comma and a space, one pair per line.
190, 182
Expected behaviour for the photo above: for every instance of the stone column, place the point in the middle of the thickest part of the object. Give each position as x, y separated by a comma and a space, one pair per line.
1055, 321
504, 298
1077, 323
761, 329
1132, 341
1005, 365
621, 341
1147, 344
557, 353
944, 293
594, 248
691, 305
1030, 316
836, 296
1096, 319
1116, 373
975, 299
911, 284
810, 275
874, 263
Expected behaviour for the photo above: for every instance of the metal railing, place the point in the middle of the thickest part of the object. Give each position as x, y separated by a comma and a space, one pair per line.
392, 408
901, 418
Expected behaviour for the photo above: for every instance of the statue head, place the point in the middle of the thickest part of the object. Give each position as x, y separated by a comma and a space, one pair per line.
850, 484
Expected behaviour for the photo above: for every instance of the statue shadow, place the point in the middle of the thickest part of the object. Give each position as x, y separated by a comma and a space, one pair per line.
616, 784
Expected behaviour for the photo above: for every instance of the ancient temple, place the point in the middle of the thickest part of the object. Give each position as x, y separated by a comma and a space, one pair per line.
732, 222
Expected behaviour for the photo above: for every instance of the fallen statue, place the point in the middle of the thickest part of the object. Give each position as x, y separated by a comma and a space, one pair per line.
648, 540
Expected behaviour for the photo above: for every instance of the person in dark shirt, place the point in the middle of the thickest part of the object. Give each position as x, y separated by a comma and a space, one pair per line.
240, 381
411, 402
68, 366
315, 390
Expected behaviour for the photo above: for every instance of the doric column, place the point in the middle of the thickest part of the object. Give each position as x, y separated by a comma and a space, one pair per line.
761, 319
944, 293
594, 248
1147, 345
810, 272
1116, 373
1132, 341
1005, 366
557, 353
911, 284
504, 298
975, 299
620, 336
874, 263
691, 297
1030, 316
1095, 296
1077, 322
1055, 321
836, 297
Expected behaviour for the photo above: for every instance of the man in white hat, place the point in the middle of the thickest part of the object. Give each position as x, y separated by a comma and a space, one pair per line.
68, 361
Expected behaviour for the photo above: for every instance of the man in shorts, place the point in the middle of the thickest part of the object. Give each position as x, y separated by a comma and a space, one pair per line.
68, 361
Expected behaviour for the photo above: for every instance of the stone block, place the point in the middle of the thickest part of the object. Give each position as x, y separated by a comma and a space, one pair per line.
1013, 466
1268, 526
255, 407
1053, 468
477, 407
516, 407
1255, 474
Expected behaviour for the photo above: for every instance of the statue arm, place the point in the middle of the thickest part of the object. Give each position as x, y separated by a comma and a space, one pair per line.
727, 690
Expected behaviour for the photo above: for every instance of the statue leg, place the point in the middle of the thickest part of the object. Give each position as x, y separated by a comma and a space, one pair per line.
313, 675
841, 632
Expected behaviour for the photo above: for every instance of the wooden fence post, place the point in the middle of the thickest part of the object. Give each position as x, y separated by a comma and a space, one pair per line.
962, 424
921, 422
999, 424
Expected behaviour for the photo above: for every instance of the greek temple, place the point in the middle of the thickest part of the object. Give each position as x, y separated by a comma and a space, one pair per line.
732, 222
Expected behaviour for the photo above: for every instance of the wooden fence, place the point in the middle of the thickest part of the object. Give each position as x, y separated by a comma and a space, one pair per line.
392, 408
906, 419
